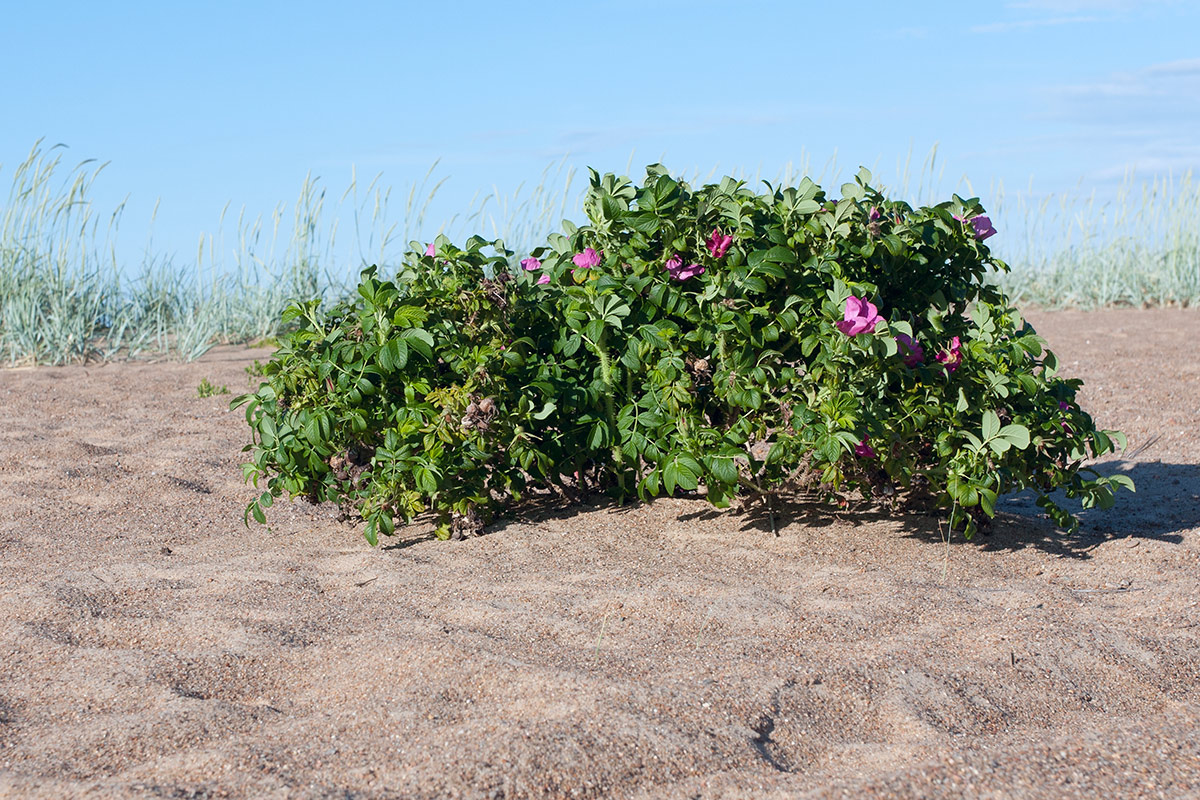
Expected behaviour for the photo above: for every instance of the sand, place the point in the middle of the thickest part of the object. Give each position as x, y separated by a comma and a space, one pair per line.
151, 646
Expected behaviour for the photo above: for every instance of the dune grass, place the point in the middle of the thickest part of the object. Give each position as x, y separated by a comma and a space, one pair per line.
1141, 249
65, 298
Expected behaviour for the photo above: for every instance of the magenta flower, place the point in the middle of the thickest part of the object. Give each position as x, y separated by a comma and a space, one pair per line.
983, 228
861, 316
430, 250
863, 449
679, 272
587, 259
544, 278
718, 245
911, 350
1062, 406
951, 358
531, 264
874, 215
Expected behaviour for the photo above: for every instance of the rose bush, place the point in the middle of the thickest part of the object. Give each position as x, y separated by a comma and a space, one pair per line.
685, 338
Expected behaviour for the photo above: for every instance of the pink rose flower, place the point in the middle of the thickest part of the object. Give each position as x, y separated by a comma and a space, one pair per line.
863, 449
911, 350
430, 250
983, 227
531, 264
679, 272
587, 259
860, 316
874, 215
951, 358
544, 278
718, 245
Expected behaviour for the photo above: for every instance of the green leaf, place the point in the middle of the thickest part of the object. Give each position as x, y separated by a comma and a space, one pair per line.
852, 191
598, 438
420, 340
1124, 481
426, 481
1016, 435
987, 501
724, 470
670, 477
991, 425
962, 491
690, 464
572, 344
780, 255
754, 284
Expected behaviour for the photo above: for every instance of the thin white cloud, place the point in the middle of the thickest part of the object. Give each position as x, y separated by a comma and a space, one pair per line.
1171, 88
1045, 13
1155, 160
1078, 6
1144, 119
1025, 24
1183, 67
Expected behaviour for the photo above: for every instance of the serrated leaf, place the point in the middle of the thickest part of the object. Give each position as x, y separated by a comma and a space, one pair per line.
670, 474
724, 470
598, 438
987, 501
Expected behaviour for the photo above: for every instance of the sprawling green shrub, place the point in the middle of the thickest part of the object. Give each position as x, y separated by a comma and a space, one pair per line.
747, 343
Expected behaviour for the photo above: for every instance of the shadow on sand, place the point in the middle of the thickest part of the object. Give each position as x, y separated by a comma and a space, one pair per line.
1166, 504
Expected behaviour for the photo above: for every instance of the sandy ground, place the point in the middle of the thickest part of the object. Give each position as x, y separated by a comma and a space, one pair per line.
153, 647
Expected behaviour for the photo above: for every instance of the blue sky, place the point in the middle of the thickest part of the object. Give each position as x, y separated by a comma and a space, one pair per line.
200, 105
